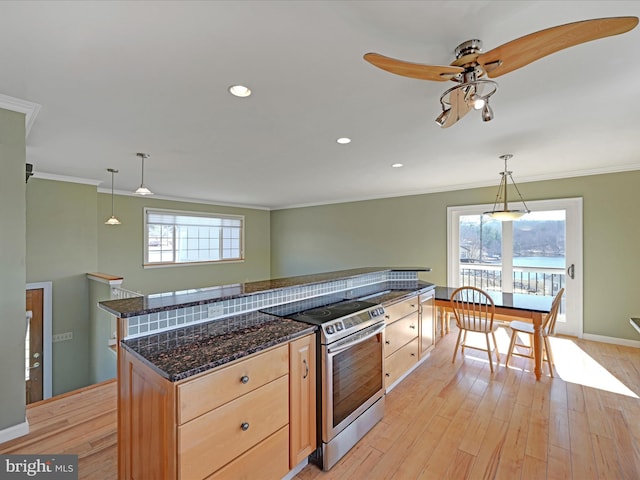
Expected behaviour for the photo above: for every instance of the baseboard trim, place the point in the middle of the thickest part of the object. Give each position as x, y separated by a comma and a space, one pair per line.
614, 340
14, 432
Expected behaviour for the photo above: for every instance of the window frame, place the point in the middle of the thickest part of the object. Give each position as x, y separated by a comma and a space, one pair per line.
187, 213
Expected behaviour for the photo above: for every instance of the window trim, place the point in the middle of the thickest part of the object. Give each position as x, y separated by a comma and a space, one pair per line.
189, 213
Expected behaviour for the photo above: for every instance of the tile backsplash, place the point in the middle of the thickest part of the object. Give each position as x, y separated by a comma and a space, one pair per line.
181, 317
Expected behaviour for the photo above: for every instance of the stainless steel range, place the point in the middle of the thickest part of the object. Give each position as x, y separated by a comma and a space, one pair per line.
350, 363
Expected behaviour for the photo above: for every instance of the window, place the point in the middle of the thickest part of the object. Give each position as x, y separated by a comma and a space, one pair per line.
535, 255
173, 237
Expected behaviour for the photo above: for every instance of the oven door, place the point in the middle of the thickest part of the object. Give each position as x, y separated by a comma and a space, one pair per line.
352, 378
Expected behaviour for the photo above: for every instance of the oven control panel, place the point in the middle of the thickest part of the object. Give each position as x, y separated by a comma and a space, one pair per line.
350, 322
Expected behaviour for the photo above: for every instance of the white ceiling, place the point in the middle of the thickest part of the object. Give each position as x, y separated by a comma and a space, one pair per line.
116, 78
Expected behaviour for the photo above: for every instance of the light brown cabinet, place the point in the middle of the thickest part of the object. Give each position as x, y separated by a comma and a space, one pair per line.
302, 399
401, 339
409, 335
254, 415
427, 323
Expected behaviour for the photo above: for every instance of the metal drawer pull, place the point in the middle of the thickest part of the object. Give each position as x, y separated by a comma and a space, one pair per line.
244, 379
387, 342
412, 326
244, 426
306, 371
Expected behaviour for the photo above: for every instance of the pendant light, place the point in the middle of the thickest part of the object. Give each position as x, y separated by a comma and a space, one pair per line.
142, 189
113, 220
506, 215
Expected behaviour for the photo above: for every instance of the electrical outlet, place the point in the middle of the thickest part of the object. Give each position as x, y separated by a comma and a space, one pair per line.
215, 310
61, 337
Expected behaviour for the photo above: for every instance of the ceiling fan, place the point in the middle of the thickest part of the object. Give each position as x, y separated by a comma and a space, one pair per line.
471, 64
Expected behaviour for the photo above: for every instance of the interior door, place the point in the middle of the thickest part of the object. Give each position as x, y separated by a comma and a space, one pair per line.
34, 359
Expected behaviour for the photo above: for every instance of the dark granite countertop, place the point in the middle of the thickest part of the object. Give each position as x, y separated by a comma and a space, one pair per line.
183, 352
131, 307
180, 353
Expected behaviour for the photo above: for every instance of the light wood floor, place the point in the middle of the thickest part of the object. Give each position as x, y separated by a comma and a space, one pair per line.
459, 421
82, 423
445, 420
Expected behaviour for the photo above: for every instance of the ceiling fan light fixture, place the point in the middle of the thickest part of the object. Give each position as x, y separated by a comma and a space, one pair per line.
506, 215
487, 113
442, 118
142, 189
478, 102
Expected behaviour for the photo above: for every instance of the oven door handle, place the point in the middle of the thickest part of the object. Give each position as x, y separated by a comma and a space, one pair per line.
364, 338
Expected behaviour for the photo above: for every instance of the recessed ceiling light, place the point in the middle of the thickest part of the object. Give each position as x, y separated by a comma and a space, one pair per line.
343, 140
397, 165
240, 91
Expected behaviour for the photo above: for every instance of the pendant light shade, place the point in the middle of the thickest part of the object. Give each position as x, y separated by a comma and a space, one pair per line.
142, 189
506, 215
112, 220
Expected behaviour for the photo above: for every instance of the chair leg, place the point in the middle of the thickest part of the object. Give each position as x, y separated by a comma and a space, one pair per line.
512, 344
486, 336
547, 349
453, 360
464, 342
495, 344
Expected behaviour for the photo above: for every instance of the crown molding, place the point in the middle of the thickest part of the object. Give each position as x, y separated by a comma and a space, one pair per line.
29, 109
65, 178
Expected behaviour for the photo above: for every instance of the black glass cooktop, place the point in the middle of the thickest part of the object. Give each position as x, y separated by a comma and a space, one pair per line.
313, 312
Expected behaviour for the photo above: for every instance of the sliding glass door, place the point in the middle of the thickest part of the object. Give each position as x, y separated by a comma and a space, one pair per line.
536, 255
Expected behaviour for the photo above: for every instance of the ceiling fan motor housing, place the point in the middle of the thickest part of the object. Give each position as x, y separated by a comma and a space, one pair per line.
469, 47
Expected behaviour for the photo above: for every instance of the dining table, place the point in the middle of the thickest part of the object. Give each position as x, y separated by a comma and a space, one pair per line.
516, 306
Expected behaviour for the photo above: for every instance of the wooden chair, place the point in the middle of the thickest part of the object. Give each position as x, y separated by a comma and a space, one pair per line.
548, 328
474, 310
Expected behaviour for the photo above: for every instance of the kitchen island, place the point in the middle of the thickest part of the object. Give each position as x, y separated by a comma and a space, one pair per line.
194, 366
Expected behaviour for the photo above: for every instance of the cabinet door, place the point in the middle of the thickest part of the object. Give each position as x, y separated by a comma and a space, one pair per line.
302, 399
427, 324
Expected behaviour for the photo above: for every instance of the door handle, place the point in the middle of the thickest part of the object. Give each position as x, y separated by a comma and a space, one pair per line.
571, 271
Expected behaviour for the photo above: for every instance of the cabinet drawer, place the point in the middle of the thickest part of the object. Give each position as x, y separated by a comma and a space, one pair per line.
400, 309
400, 333
215, 438
399, 362
269, 458
211, 390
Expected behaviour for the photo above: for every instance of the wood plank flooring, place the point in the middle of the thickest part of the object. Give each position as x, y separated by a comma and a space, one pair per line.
459, 421
83, 423
455, 421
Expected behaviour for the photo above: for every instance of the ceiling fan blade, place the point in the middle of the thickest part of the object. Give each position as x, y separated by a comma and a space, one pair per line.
532, 47
438, 73
459, 107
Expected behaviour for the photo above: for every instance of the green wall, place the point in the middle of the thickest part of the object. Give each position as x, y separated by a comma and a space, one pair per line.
412, 230
120, 248
62, 239
12, 268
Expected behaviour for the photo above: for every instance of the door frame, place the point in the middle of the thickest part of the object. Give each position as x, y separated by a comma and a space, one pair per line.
47, 337
574, 244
